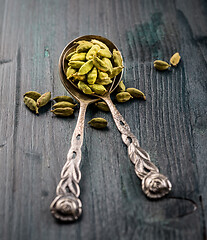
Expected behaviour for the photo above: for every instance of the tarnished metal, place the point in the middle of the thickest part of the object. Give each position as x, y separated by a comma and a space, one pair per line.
67, 205
154, 184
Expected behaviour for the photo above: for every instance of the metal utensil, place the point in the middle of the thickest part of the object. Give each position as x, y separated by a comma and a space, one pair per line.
67, 205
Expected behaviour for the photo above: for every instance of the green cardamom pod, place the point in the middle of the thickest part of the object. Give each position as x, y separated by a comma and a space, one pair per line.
98, 123
98, 89
116, 71
81, 42
68, 57
102, 106
70, 72
99, 64
136, 93
78, 57
64, 104
118, 61
32, 94
102, 75
92, 76
121, 87
108, 64
44, 99
78, 77
86, 67
75, 64
104, 53
84, 88
63, 112
63, 99
104, 81
123, 97
101, 44
161, 65
175, 59
31, 104
84, 46
92, 51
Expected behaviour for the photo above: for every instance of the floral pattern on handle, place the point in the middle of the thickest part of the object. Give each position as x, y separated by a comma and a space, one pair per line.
154, 184
67, 205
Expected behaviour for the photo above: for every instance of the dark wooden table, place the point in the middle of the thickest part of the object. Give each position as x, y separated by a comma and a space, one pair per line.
171, 125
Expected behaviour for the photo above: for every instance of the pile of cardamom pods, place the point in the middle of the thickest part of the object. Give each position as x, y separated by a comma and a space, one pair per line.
92, 66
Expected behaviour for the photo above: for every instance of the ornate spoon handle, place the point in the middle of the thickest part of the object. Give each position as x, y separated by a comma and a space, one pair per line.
154, 184
67, 205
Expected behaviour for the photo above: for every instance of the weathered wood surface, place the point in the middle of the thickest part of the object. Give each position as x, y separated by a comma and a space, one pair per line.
171, 125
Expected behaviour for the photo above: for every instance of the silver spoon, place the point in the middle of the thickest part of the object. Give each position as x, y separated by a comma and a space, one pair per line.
67, 206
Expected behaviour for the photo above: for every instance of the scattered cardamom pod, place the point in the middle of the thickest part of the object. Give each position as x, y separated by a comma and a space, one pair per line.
64, 104
63, 112
32, 94
161, 65
43, 99
175, 59
98, 123
31, 104
123, 97
102, 106
63, 99
136, 93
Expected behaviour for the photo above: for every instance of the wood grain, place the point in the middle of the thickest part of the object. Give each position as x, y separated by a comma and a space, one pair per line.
171, 125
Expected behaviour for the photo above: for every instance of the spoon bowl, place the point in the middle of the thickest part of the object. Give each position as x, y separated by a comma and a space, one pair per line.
63, 64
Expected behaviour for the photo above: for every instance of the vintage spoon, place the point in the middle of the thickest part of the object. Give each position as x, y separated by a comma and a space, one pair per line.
67, 205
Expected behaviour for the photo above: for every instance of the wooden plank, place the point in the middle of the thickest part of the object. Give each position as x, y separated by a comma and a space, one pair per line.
170, 125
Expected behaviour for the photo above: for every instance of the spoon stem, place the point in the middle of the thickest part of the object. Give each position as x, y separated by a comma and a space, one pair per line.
67, 205
154, 184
